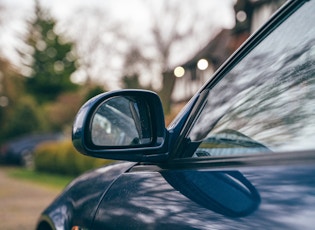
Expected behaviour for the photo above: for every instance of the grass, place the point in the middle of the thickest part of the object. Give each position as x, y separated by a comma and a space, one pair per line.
48, 180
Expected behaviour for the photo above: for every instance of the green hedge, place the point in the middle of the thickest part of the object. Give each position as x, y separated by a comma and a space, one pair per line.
62, 158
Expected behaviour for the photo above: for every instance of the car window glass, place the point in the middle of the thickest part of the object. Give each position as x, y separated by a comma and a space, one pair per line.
267, 101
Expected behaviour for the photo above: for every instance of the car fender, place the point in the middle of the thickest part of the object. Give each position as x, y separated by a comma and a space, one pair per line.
77, 204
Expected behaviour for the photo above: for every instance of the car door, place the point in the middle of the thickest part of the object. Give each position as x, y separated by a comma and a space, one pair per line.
245, 158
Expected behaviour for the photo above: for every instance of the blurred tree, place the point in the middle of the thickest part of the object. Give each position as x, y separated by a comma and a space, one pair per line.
91, 91
11, 88
53, 59
97, 54
134, 64
62, 111
144, 48
177, 29
24, 119
177, 26
131, 82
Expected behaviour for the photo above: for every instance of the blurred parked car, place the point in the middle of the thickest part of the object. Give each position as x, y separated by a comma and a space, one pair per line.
241, 154
19, 151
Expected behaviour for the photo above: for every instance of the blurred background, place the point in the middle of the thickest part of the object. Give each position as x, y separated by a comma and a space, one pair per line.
55, 55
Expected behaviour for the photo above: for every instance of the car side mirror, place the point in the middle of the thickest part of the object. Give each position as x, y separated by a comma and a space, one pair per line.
122, 125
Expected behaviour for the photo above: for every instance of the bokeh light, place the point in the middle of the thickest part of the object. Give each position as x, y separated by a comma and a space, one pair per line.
202, 64
179, 71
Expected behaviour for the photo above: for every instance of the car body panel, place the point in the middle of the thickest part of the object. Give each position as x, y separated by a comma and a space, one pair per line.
79, 201
276, 197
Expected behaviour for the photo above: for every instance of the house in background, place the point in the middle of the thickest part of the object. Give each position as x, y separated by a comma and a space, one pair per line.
249, 16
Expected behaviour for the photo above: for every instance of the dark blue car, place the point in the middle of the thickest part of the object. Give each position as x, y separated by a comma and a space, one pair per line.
241, 154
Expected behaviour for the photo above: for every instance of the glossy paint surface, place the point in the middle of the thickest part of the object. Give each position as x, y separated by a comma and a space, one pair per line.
280, 197
78, 202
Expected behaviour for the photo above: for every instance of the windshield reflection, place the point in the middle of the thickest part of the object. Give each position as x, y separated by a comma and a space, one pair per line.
269, 96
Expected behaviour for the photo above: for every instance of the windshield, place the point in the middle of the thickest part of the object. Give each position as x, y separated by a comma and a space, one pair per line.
267, 101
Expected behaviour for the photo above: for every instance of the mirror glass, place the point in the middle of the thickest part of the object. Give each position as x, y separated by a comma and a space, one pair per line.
121, 121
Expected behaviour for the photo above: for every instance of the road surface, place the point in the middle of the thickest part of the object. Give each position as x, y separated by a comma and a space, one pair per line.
21, 202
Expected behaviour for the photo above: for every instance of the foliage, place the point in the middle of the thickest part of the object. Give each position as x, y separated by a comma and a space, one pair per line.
25, 118
131, 82
62, 111
44, 99
53, 59
11, 89
93, 91
62, 158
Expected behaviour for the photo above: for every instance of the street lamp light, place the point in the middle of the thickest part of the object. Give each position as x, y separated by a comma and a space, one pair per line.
179, 71
202, 64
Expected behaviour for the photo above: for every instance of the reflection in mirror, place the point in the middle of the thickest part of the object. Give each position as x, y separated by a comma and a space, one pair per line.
121, 121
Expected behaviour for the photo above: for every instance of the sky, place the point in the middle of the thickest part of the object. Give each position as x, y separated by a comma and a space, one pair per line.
132, 13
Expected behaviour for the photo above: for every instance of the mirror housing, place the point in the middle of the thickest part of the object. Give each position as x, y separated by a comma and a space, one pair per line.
122, 125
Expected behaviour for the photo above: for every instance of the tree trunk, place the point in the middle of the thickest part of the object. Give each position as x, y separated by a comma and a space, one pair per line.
167, 90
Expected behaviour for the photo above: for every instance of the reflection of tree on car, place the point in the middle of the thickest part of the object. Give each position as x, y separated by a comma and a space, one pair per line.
225, 192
